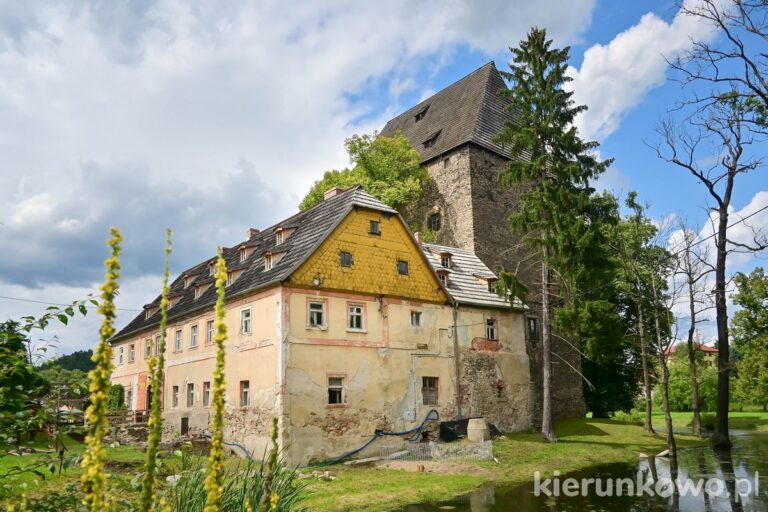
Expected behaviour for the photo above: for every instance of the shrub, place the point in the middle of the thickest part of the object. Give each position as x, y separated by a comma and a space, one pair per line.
708, 421
634, 417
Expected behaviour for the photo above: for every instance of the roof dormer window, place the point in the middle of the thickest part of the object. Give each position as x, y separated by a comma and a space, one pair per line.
282, 234
268, 263
149, 311
442, 275
188, 280
421, 113
172, 301
243, 254
446, 259
212, 268
431, 140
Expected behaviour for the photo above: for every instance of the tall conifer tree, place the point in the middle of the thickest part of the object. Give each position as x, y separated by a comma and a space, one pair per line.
554, 166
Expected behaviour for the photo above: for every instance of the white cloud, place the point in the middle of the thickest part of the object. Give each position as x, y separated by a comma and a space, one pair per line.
614, 78
208, 117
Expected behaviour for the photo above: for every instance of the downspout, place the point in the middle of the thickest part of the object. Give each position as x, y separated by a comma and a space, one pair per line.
457, 358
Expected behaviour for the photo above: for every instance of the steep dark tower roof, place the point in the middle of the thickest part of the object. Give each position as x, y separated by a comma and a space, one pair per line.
470, 110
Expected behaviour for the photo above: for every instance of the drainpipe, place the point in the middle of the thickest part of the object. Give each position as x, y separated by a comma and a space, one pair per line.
457, 357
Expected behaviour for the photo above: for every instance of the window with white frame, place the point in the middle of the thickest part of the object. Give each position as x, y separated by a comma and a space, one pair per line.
178, 343
317, 314
190, 394
491, 329
335, 390
245, 321
209, 332
268, 261
199, 291
245, 393
175, 396
445, 259
131, 352
212, 268
129, 397
243, 254
356, 317
193, 336
415, 318
147, 348
206, 393
120, 356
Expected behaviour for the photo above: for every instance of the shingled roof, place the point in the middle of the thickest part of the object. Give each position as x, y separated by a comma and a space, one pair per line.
310, 228
470, 110
467, 277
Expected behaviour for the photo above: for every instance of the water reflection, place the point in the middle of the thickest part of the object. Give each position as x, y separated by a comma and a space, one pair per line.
730, 467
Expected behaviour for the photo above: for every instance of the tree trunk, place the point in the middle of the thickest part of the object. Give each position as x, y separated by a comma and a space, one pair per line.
696, 403
646, 372
662, 349
547, 428
721, 436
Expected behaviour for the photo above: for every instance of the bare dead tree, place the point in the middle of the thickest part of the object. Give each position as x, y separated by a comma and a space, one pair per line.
693, 267
715, 145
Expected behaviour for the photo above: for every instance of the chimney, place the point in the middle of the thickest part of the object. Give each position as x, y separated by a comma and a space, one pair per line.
332, 193
252, 232
417, 236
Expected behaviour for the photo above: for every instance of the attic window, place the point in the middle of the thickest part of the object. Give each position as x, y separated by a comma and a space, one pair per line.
268, 261
243, 254
421, 113
281, 235
149, 311
345, 259
375, 228
443, 276
491, 282
199, 290
431, 140
188, 280
173, 301
212, 268
445, 259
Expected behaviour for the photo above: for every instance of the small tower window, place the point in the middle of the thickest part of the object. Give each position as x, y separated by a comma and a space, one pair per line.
345, 259
375, 228
421, 113
434, 222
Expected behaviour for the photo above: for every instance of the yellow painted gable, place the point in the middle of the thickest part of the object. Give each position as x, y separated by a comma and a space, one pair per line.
375, 257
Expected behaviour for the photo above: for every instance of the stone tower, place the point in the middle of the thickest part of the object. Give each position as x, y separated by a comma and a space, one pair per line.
465, 205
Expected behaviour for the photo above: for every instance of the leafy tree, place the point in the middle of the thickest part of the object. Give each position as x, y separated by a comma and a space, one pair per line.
750, 337
78, 360
387, 167
116, 397
557, 214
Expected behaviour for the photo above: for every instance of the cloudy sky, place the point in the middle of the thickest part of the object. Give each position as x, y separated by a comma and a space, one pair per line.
213, 118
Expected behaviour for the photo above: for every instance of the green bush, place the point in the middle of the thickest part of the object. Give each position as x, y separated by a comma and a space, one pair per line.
708, 421
634, 417
116, 397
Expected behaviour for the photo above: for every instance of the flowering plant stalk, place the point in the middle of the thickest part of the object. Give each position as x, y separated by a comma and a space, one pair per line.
156, 368
95, 478
213, 477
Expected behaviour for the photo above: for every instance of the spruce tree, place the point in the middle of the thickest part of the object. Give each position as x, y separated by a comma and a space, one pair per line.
554, 166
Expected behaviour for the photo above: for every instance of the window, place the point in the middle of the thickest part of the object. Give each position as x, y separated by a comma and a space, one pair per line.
209, 332
490, 329
120, 352
335, 390
230, 278
445, 260
245, 321
433, 223
193, 336
375, 228
421, 113
443, 277
268, 261
147, 348
243, 254
345, 259
175, 396
206, 393
416, 318
212, 268
245, 393
429, 390
491, 285
316, 314
533, 328
431, 140
131, 352
199, 291
355, 317
129, 398
157, 344
188, 280
178, 343
402, 267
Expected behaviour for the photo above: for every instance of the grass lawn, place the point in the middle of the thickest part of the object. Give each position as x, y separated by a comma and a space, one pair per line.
582, 443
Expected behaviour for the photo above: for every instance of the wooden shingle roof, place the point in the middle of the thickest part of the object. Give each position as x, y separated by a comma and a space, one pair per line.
312, 226
469, 110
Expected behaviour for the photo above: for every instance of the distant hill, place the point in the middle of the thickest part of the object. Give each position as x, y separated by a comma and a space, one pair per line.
80, 360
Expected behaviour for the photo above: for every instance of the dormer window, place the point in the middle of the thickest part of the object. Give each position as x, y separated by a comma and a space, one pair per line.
282, 234
199, 290
421, 113
212, 268
149, 311
446, 260
172, 301
442, 275
491, 282
188, 280
431, 140
230, 278
268, 261
243, 254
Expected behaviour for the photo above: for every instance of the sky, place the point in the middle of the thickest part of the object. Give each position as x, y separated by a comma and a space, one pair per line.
212, 117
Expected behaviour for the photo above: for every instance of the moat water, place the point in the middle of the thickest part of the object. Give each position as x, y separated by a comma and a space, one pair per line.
737, 481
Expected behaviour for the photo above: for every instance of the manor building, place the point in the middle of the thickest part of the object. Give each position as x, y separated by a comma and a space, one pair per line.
340, 322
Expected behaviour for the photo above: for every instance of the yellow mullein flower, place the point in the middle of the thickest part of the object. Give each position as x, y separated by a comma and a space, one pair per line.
95, 478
